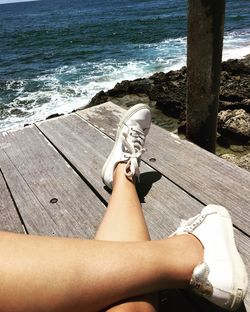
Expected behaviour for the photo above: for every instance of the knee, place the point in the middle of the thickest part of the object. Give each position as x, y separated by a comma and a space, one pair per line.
137, 305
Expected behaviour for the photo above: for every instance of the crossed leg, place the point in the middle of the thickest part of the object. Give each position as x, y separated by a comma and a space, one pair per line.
124, 221
46, 274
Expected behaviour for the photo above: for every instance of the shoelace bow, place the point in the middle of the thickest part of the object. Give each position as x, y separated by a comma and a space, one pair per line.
133, 144
189, 225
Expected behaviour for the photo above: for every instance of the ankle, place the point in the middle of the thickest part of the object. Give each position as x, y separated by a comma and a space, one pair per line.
191, 253
187, 252
119, 173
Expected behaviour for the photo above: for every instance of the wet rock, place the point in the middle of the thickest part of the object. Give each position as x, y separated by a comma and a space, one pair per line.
235, 90
182, 128
99, 98
245, 104
235, 84
237, 148
167, 91
138, 86
237, 66
17, 111
54, 116
224, 142
235, 123
131, 99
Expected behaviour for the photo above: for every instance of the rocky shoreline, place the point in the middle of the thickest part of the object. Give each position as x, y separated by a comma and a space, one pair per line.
165, 93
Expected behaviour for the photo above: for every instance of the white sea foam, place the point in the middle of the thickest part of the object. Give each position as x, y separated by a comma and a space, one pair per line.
236, 45
71, 87
59, 95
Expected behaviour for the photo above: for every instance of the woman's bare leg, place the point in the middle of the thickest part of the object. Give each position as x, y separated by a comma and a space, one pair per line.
124, 221
57, 274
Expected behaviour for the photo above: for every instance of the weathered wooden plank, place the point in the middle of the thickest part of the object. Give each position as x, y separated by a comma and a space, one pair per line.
87, 149
164, 203
30, 207
205, 176
9, 218
50, 196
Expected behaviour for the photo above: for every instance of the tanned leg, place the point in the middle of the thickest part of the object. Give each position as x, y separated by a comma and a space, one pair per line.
124, 221
45, 274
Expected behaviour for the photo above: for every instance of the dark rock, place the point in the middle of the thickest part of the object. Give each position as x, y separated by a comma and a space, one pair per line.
182, 128
54, 116
245, 104
99, 98
183, 116
169, 92
16, 111
237, 148
235, 123
131, 99
120, 89
224, 142
237, 66
235, 91
166, 93
235, 84
140, 86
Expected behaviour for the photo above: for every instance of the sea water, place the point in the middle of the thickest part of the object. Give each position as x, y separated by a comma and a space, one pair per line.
55, 55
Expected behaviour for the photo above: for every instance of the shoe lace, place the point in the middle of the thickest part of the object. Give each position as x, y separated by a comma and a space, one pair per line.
187, 226
133, 142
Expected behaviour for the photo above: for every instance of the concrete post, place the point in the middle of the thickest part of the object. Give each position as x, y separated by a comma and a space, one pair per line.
204, 51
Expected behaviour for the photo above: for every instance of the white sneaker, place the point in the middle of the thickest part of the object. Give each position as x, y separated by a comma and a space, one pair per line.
130, 139
222, 277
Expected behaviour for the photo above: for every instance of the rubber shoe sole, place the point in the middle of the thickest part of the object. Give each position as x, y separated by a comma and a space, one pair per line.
239, 272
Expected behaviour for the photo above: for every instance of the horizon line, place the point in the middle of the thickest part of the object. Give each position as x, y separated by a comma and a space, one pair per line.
15, 1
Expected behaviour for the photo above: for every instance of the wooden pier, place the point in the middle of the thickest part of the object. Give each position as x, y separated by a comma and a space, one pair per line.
50, 184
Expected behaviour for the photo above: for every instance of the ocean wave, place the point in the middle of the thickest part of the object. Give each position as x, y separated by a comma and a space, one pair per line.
67, 88
236, 44
62, 91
